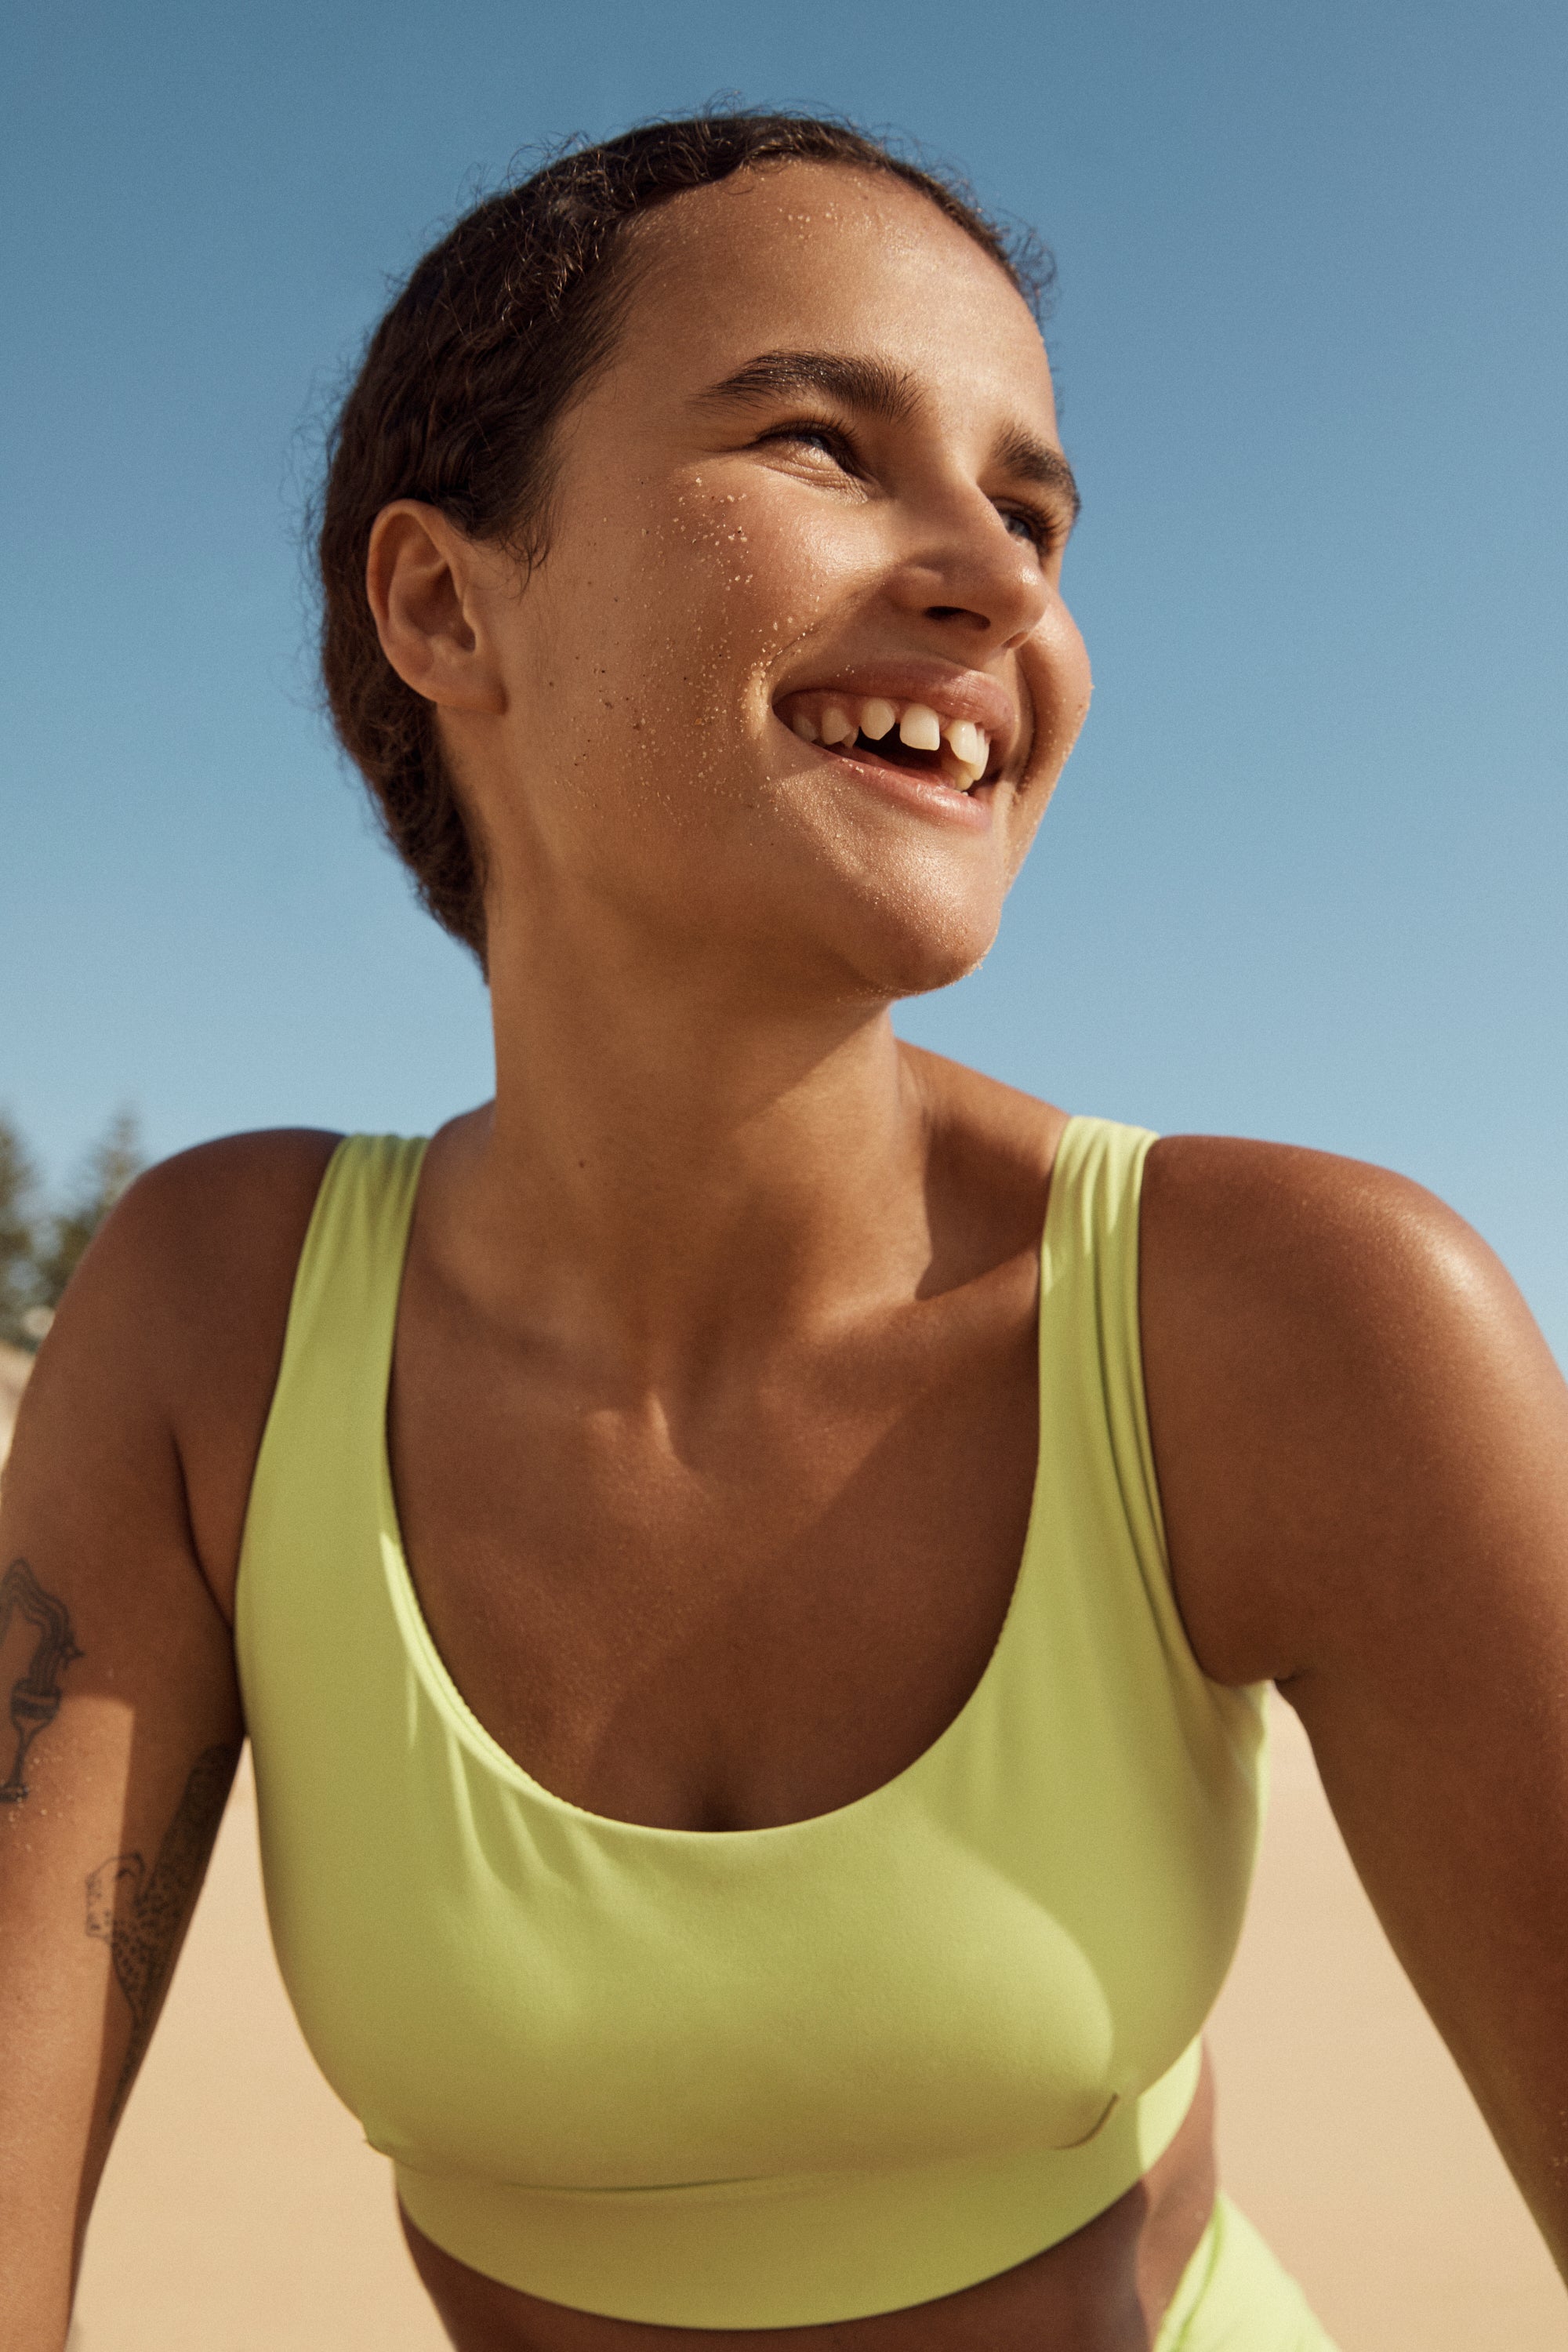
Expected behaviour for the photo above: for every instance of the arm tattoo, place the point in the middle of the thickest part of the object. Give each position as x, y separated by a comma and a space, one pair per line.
142, 1915
36, 1697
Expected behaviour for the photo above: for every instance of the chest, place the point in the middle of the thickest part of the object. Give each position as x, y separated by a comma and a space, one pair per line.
628, 2052
747, 1608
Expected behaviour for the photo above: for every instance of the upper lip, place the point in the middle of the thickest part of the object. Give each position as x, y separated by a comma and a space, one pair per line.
950, 693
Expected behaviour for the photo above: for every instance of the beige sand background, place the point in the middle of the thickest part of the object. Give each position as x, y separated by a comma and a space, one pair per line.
242, 2212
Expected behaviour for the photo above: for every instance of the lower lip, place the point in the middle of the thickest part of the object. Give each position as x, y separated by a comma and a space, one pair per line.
909, 789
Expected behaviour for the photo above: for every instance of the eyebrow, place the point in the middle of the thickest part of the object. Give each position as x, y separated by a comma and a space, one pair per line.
876, 388
871, 385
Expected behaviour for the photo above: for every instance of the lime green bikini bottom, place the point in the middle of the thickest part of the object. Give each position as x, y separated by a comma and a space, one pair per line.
1234, 2296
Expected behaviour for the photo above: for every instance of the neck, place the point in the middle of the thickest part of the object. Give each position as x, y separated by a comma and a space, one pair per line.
674, 1166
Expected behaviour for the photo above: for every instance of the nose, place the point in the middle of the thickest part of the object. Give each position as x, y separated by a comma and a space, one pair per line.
972, 574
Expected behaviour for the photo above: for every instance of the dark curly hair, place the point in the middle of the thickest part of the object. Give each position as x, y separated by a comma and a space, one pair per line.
493, 335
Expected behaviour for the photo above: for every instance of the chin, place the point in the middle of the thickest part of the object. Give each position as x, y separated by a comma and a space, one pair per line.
912, 958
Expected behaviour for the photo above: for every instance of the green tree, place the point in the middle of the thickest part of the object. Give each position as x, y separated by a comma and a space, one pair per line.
18, 1234
109, 1168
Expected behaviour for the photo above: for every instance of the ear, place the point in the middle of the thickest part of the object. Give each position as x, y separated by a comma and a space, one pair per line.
431, 589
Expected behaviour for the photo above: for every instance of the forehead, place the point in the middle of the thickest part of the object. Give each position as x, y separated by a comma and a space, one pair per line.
825, 257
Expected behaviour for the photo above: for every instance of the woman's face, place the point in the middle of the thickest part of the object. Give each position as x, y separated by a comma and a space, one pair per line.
790, 691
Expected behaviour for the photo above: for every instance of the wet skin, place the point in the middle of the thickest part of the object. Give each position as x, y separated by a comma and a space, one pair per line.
679, 884
823, 458
713, 1414
621, 725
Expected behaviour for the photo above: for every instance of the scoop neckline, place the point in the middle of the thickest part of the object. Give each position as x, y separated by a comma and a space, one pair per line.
449, 1699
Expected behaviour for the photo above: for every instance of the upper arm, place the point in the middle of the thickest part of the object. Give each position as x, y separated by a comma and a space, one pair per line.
1362, 1447
119, 1716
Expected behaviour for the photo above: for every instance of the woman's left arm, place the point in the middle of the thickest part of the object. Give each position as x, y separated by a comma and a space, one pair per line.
1362, 1442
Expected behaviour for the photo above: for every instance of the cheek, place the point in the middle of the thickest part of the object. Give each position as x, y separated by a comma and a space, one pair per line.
721, 591
714, 576
1056, 670
705, 590
647, 676
761, 565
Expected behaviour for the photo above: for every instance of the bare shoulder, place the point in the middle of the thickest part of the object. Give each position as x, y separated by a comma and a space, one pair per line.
232, 1207
123, 1496
1269, 1230
1337, 1365
1362, 1442
172, 1329
194, 1255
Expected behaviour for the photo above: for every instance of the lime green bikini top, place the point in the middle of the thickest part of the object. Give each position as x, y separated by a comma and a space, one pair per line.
759, 2078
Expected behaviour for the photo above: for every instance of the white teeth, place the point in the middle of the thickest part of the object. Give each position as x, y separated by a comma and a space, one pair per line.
970, 747
917, 726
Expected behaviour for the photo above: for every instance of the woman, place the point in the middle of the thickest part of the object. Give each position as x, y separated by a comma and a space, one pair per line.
749, 1565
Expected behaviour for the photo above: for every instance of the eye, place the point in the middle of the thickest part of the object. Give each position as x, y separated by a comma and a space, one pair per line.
1042, 529
806, 433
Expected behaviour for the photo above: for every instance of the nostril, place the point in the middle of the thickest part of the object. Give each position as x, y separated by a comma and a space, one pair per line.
959, 613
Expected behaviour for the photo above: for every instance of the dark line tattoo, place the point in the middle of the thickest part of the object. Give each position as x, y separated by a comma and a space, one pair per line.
142, 1917
35, 1698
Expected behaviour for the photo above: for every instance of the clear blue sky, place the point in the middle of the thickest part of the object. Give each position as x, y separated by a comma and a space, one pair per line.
1306, 876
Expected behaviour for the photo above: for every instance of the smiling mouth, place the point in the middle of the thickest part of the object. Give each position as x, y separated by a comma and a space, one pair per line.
908, 736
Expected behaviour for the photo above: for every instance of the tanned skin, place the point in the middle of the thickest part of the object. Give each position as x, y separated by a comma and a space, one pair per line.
714, 1395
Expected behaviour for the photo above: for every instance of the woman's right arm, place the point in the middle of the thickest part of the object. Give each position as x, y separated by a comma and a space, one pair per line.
120, 1509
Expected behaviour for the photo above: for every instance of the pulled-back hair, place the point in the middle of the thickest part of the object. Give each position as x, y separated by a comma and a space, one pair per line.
495, 333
